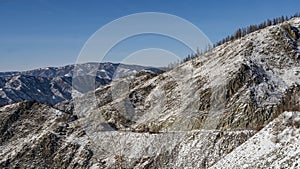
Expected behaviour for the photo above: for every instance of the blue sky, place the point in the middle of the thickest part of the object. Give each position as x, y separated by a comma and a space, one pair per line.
39, 33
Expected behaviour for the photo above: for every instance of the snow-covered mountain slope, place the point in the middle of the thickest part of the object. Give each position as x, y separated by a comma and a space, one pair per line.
33, 135
200, 114
276, 146
46, 90
52, 85
243, 84
238, 86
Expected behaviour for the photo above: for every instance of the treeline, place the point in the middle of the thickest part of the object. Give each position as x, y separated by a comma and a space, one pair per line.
241, 32
197, 54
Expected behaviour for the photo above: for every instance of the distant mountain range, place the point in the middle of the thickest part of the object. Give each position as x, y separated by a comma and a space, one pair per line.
54, 84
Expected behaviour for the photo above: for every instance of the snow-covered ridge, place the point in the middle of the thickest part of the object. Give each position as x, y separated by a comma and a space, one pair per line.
238, 86
243, 84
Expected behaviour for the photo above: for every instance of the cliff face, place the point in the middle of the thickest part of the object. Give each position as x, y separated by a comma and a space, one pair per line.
200, 114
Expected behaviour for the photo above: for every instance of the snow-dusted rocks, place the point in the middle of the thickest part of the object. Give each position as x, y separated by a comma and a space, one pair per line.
277, 145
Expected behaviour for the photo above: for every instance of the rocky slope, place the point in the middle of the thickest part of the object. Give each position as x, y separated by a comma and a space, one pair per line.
224, 109
276, 145
54, 84
240, 85
33, 135
51, 138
